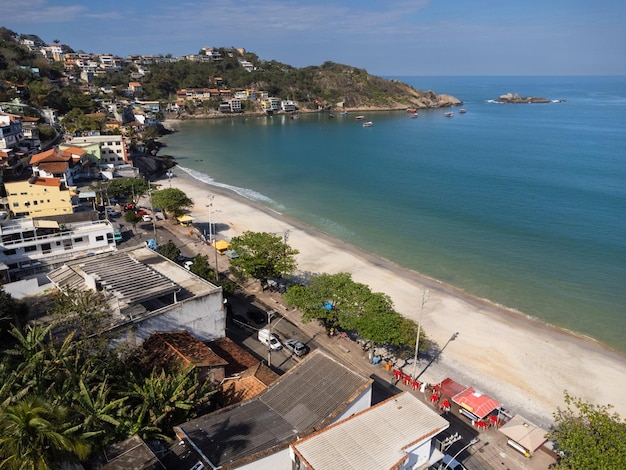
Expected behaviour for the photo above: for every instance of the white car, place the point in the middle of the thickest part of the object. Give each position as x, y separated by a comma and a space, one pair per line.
270, 339
146, 218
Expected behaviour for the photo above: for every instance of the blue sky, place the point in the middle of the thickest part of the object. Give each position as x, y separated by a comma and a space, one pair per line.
386, 37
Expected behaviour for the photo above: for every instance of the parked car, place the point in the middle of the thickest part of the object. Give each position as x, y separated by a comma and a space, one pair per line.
129, 207
117, 236
269, 339
141, 213
112, 212
146, 218
296, 347
187, 264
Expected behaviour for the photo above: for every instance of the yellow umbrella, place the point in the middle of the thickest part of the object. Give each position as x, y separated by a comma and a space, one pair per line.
221, 245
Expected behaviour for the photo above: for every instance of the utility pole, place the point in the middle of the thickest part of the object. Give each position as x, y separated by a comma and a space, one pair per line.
417, 339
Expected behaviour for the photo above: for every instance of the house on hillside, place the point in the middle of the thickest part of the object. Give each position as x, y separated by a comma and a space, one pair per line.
256, 433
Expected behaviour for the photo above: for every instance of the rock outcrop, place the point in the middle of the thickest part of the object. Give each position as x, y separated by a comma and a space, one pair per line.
515, 98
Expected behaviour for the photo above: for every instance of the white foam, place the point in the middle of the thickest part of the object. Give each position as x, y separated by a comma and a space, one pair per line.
244, 192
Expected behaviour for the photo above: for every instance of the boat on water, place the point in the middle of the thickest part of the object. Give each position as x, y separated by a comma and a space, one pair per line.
411, 110
449, 114
368, 124
345, 113
462, 111
412, 115
359, 118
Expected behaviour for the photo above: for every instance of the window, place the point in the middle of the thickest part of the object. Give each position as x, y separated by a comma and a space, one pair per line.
45, 248
9, 252
16, 204
100, 238
30, 248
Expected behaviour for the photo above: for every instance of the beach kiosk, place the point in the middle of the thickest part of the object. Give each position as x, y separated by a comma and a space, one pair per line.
185, 220
221, 246
475, 405
524, 436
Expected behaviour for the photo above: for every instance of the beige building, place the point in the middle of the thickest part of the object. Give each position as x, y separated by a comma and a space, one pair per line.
39, 197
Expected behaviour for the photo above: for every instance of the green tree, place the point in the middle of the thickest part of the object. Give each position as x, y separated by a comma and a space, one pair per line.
12, 312
170, 251
262, 255
588, 436
339, 302
171, 200
201, 267
132, 218
35, 435
162, 400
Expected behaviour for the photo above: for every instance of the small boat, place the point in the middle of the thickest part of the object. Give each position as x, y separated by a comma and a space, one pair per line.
462, 111
368, 124
412, 115
345, 113
449, 114
411, 110
359, 118
331, 115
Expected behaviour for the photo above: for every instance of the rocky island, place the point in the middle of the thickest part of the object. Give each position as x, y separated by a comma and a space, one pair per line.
515, 98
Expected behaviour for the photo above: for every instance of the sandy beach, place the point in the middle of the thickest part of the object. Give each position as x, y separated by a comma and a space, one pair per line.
523, 363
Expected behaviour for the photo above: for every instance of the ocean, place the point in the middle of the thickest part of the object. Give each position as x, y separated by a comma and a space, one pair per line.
521, 204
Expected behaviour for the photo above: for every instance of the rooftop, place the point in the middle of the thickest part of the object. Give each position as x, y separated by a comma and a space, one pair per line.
305, 399
374, 438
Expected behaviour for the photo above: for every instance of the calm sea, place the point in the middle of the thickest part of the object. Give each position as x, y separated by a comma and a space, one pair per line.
524, 205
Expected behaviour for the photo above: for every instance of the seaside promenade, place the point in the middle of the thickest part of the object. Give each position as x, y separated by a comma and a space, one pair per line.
490, 452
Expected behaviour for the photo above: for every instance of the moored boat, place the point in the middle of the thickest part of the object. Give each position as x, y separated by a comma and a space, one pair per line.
462, 111
359, 118
411, 110
368, 124
449, 114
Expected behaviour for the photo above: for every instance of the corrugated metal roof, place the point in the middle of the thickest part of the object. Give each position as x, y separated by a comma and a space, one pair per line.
375, 438
308, 397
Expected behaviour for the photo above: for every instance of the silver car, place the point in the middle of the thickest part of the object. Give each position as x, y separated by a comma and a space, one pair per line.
296, 347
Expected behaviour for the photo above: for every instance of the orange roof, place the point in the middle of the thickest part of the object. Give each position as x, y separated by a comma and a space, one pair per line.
52, 155
39, 181
53, 167
74, 151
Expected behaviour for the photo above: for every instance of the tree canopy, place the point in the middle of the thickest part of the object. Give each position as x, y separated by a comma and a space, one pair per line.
339, 302
262, 256
589, 436
171, 200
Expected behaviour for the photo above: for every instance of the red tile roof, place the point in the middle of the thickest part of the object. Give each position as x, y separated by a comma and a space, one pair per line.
181, 346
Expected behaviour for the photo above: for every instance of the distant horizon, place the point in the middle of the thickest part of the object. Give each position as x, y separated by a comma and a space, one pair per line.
402, 37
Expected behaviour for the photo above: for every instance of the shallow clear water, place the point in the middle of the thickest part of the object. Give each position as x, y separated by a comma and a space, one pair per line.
524, 205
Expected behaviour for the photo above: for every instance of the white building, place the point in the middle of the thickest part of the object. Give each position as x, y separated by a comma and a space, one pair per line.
148, 293
29, 246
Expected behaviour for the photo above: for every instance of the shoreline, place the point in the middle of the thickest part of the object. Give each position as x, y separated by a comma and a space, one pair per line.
516, 359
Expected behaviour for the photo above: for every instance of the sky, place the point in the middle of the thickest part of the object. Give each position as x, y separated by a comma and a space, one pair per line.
385, 37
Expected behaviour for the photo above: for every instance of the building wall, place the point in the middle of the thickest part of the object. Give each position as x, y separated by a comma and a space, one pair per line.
204, 317
362, 402
34, 200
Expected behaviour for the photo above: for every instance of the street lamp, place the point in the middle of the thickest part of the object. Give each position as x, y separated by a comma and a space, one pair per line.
471, 443
209, 205
417, 339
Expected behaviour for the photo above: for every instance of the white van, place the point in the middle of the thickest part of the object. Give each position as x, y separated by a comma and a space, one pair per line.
270, 339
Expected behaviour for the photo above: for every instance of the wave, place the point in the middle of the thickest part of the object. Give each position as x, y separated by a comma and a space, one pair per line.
244, 192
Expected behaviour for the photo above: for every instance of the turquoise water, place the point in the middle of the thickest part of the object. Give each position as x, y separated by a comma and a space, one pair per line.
524, 205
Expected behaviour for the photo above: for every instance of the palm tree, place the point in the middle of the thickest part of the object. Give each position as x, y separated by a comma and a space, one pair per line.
35, 435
